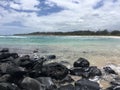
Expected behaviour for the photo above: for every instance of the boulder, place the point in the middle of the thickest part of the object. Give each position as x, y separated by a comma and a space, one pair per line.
25, 61
113, 88
4, 55
55, 70
109, 70
14, 55
32, 84
94, 71
4, 78
66, 87
8, 86
66, 63
47, 82
51, 57
4, 50
85, 84
78, 71
81, 62
67, 79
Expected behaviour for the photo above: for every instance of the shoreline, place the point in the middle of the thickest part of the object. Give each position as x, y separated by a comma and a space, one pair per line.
99, 58
66, 61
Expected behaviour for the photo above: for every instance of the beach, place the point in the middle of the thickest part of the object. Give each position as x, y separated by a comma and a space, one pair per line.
98, 50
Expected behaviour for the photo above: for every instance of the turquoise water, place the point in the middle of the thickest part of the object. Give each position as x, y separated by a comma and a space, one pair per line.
103, 49
62, 40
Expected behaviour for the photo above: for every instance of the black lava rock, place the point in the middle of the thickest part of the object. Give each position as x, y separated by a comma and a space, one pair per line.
85, 84
81, 62
94, 71
4, 50
55, 70
66, 87
51, 57
109, 70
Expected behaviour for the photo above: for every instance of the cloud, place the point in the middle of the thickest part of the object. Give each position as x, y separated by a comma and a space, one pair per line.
59, 15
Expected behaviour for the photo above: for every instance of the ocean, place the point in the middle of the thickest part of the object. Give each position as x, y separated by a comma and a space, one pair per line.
98, 49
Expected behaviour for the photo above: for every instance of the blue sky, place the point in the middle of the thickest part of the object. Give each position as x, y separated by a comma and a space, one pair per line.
23, 16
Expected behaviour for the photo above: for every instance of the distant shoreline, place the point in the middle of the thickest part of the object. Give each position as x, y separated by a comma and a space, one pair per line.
73, 33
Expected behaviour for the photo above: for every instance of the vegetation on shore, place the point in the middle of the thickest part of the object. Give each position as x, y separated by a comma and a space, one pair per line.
87, 32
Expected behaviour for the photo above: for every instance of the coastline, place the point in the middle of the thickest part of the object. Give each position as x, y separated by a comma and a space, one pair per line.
96, 58
98, 52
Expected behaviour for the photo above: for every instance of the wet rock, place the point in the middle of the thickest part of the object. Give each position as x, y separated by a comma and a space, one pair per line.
55, 70
51, 57
67, 79
109, 70
37, 65
47, 82
66, 87
4, 78
31, 84
4, 50
14, 55
8, 55
115, 85
8, 86
5, 55
81, 62
78, 71
85, 84
67, 64
5, 66
9, 59
116, 81
113, 88
25, 61
94, 71
25, 57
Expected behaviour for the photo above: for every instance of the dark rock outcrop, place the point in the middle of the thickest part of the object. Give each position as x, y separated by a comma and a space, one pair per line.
84, 84
81, 62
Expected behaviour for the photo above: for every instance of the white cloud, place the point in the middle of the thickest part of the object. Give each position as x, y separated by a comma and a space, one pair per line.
77, 15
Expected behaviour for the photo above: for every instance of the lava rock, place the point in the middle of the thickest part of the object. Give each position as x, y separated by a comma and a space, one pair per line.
113, 88
94, 71
4, 50
55, 70
4, 55
81, 62
25, 61
14, 55
85, 84
32, 84
47, 82
4, 78
66, 87
67, 79
109, 70
8, 86
51, 57
78, 71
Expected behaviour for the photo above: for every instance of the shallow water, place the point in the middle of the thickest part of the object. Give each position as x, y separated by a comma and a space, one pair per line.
99, 50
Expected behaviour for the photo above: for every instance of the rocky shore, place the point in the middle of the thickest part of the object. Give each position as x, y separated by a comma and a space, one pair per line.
44, 73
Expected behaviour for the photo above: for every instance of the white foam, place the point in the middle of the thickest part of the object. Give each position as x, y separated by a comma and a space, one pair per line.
13, 37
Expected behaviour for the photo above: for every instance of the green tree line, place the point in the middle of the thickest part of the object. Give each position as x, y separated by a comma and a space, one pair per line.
87, 32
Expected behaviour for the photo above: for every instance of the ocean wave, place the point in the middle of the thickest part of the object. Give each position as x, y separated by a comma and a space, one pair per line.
13, 37
92, 37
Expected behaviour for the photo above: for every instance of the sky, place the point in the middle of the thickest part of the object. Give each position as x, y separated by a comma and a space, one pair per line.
23, 16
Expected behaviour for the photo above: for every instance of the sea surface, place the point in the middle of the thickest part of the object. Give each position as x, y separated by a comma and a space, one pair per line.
99, 50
